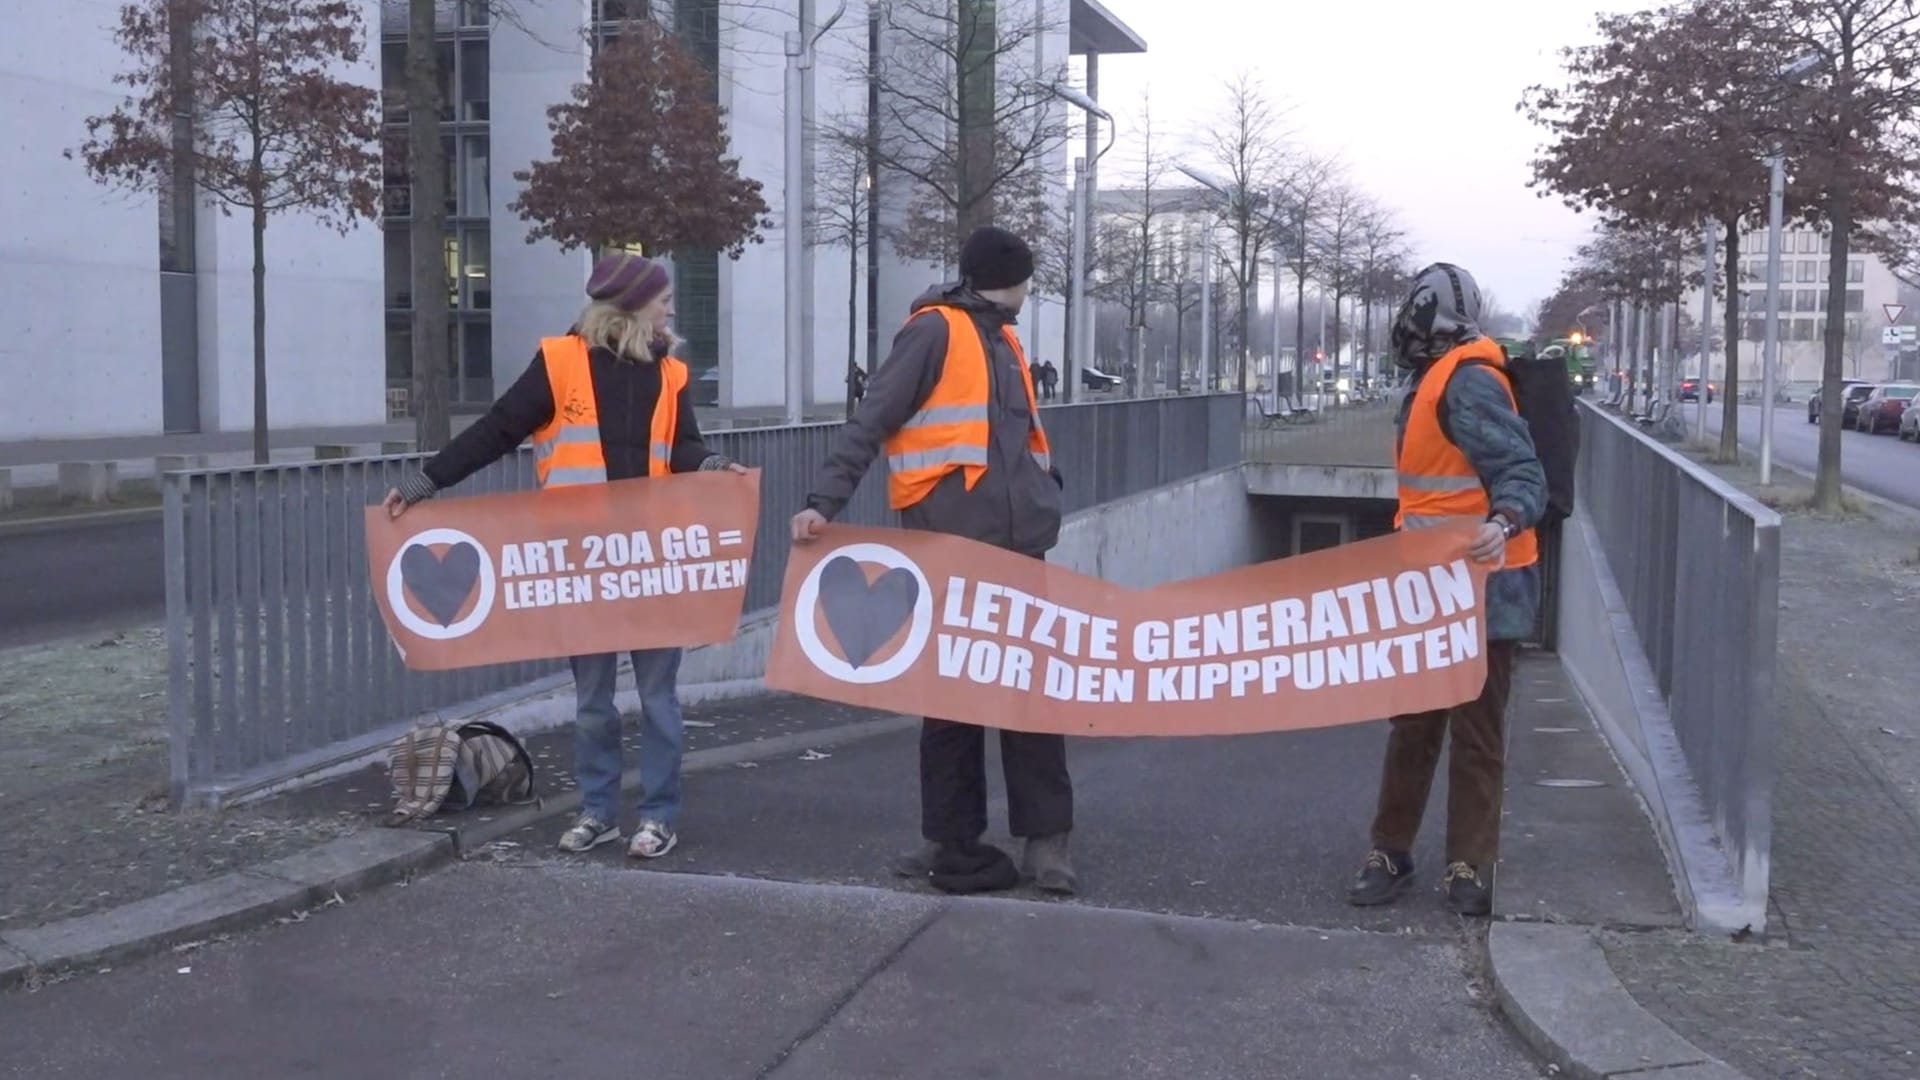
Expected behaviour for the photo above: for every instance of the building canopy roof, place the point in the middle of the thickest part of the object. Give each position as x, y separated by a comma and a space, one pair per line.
1093, 29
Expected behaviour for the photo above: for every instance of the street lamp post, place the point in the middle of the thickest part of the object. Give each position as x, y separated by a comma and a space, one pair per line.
1776, 200
1079, 345
1218, 187
1082, 330
799, 349
1793, 74
1204, 374
1707, 280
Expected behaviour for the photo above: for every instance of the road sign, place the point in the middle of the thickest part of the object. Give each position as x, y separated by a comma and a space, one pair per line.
1900, 335
1894, 311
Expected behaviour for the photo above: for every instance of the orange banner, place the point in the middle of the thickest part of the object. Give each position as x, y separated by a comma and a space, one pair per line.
934, 625
597, 568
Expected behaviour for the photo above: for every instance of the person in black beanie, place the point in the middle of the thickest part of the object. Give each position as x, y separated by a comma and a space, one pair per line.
996, 484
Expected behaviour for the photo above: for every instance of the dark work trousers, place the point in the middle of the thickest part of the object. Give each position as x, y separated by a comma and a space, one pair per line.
1476, 770
953, 782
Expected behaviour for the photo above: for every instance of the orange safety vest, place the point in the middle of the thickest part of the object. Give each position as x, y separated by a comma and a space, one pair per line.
1438, 485
950, 431
567, 449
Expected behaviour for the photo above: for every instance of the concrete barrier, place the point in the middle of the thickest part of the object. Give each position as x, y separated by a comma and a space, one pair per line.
88, 481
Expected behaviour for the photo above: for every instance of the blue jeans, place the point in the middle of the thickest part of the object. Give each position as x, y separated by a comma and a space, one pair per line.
597, 730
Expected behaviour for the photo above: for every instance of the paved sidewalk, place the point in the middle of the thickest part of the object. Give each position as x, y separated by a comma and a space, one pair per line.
572, 970
83, 784
1837, 996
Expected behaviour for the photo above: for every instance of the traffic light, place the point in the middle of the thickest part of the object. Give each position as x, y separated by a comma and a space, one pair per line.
1577, 337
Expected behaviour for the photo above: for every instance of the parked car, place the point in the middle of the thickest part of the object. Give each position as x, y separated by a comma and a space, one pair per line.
1847, 388
1690, 390
1884, 408
1094, 379
1910, 423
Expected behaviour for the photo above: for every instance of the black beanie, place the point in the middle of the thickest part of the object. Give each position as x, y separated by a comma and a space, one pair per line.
994, 258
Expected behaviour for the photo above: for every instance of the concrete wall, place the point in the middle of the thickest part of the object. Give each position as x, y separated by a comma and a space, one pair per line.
79, 265
535, 62
1606, 661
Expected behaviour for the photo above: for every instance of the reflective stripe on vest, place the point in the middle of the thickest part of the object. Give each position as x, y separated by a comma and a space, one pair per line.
952, 428
1438, 484
567, 450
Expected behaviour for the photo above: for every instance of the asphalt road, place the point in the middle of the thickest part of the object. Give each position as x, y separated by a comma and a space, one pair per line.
1877, 464
1210, 941
80, 579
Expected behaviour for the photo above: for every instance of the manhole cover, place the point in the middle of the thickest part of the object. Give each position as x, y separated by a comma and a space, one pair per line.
1561, 782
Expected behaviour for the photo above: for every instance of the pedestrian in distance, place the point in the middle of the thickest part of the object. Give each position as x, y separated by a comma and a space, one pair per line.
606, 401
955, 411
1465, 455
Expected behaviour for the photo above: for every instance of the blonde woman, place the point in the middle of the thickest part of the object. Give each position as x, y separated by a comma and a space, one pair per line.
607, 401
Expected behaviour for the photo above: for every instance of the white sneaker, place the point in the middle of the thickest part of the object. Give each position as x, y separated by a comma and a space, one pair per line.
652, 840
588, 832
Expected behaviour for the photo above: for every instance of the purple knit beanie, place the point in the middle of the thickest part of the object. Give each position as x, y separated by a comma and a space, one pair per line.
627, 281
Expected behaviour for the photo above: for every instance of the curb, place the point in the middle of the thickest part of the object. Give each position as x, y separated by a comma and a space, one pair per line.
346, 866
1556, 988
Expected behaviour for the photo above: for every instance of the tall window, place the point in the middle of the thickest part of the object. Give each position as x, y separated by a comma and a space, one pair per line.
696, 287
465, 88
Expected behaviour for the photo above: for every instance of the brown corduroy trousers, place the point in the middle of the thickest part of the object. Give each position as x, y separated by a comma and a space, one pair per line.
1476, 770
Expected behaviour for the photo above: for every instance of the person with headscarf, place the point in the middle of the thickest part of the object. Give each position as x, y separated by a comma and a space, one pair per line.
1464, 455
606, 401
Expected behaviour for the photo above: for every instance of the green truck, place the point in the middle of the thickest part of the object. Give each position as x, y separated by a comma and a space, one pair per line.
1581, 369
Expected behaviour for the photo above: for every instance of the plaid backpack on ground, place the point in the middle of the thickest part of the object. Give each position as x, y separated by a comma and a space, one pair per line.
441, 766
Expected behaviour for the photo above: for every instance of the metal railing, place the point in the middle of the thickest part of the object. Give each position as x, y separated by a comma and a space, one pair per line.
278, 661
1334, 433
1697, 563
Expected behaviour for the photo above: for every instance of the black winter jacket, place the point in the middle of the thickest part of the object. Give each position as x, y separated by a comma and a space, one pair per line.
1016, 505
623, 390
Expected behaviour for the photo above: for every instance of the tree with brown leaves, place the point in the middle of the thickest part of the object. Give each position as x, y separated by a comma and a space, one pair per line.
1666, 120
641, 157
1849, 129
242, 99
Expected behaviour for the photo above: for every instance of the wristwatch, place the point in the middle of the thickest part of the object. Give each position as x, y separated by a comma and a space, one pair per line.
1507, 524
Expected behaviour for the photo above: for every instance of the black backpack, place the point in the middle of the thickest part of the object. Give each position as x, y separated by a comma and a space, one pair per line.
1544, 393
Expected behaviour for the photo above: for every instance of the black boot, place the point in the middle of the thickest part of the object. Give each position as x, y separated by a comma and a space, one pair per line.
1467, 891
917, 863
1050, 866
1381, 881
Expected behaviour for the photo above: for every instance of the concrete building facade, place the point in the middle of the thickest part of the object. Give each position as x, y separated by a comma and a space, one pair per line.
147, 297
132, 314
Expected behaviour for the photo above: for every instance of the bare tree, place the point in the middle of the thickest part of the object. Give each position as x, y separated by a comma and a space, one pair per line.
1128, 252
1337, 257
271, 128
840, 220
964, 114
1247, 145
427, 170
1382, 253
1306, 188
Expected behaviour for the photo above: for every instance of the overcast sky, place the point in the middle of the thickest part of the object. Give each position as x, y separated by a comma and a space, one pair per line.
1416, 96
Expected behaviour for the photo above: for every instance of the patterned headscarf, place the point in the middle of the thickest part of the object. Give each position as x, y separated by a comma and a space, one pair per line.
1443, 312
